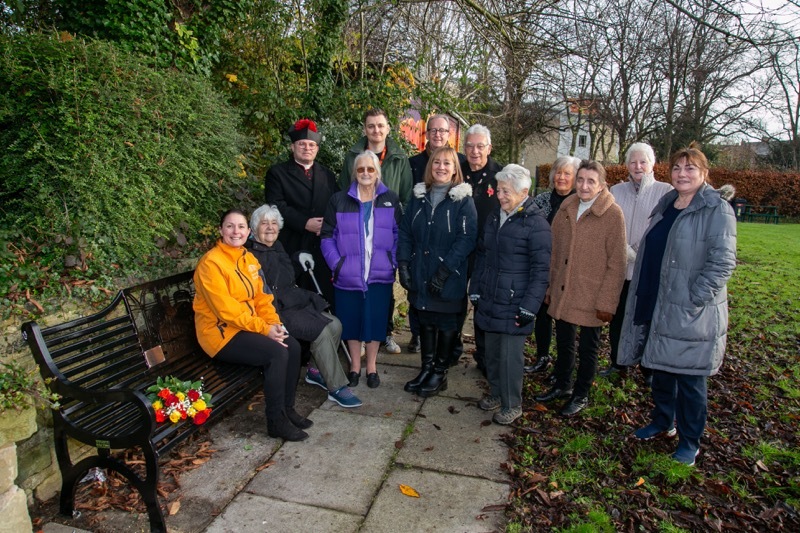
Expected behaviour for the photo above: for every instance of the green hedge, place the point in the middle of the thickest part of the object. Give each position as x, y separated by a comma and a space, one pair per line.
106, 163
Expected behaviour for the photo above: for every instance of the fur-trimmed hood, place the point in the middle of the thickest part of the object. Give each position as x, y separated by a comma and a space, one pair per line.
457, 193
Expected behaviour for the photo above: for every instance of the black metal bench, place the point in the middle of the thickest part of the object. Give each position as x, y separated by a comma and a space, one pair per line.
101, 366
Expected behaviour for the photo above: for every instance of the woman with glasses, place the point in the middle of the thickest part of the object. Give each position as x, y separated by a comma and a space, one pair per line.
359, 243
438, 233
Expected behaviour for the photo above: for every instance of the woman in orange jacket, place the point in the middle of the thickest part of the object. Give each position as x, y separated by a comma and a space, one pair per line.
237, 323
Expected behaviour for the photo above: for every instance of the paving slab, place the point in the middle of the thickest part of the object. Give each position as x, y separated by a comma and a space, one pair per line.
451, 435
340, 466
447, 503
250, 512
387, 401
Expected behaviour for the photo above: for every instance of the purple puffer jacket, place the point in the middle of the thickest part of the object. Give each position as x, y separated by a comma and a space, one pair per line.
343, 238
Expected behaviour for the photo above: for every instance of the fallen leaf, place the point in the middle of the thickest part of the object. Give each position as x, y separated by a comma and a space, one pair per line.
408, 491
174, 507
437, 427
485, 423
540, 407
453, 410
265, 465
428, 449
760, 464
495, 507
640, 482
398, 444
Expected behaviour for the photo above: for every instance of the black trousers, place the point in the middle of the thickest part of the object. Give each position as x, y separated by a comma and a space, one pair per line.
588, 345
615, 327
281, 366
543, 331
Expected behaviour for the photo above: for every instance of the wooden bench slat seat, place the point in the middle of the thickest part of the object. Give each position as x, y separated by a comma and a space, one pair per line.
97, 365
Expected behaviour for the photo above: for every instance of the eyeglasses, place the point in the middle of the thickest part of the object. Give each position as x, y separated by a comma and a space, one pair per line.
368, 170
440, 131
480, 147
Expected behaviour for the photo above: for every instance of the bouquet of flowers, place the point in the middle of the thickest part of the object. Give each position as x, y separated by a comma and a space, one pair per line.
175, 400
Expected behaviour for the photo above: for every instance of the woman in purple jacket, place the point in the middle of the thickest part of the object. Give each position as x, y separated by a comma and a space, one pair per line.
359, 243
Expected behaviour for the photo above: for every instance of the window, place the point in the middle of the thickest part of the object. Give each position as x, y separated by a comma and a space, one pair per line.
582, 141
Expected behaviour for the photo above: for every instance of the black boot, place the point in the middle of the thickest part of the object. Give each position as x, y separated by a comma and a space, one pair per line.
427, 338
437, 380
280, 427
539, 366
297, 419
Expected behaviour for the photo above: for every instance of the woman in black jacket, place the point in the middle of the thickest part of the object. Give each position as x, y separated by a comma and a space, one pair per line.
304, 313
437, 234
508, 287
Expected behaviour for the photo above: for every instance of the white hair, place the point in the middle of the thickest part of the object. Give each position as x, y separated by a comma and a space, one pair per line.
479, 129
366, 154
265, 212
518, 176
641, 148
561, 162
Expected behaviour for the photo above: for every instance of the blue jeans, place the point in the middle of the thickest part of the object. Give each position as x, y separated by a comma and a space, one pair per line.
681, 398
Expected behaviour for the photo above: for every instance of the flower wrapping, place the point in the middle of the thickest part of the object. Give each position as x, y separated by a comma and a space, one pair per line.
175, 400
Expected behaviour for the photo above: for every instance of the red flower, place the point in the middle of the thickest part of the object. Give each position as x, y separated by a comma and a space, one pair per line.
490, 191
160, 416
164, 393
183, 414
171, 400
193, 395
201, 416
305, 123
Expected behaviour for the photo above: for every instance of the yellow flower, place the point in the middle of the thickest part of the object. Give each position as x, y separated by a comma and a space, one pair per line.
232, 78
199, 405
157, 405
181, 396
191, 412
174, 416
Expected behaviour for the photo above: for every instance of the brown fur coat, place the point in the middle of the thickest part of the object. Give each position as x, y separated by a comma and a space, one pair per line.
587, 266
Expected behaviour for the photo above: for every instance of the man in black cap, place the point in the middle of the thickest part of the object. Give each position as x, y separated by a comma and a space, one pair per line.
301, 188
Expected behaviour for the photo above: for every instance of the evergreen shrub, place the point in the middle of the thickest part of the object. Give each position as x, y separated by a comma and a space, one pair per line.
106, 162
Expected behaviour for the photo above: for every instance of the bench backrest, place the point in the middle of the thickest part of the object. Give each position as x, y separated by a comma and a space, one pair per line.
107, 350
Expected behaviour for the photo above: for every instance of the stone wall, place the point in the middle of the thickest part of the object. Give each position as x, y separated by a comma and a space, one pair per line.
35, 466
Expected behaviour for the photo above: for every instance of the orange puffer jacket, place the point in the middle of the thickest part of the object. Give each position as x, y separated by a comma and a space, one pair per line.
229, 297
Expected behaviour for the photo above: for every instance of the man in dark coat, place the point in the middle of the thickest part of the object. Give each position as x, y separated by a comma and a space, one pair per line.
301, 189
479, 171
437, 132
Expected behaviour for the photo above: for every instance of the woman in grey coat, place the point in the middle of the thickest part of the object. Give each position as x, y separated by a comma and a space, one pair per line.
676, 317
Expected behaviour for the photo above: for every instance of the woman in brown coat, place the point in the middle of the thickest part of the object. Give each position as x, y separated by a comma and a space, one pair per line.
587, 269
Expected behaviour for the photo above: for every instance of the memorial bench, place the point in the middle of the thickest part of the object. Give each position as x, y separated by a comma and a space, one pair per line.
101, 365
761, 213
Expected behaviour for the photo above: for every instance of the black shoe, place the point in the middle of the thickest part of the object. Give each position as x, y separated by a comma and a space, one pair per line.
282, 428
574, 406
414, 346
539, 366
298, 420
554, 394
610, 371
352, 378
373, 381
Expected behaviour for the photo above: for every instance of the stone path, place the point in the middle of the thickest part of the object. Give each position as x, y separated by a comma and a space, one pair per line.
346, 476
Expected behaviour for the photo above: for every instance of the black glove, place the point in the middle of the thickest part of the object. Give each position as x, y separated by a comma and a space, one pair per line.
436, 284
404, 273
524, 317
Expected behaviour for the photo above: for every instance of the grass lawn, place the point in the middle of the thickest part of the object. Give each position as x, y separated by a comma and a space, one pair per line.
588, 474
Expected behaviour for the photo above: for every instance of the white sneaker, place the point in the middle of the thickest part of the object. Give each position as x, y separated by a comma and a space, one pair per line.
391, 346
